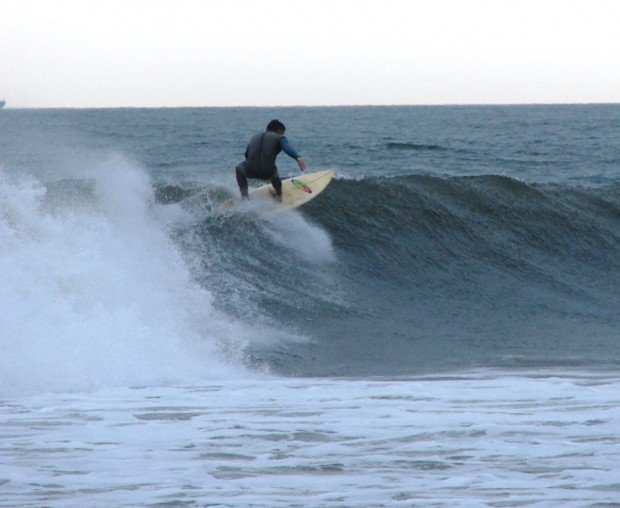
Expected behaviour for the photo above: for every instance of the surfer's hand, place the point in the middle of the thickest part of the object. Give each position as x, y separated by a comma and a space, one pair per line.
301, 164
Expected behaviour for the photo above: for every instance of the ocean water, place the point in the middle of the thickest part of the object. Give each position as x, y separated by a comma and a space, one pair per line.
439, 328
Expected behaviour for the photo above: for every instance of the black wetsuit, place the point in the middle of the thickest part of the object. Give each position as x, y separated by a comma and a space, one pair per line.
260, 160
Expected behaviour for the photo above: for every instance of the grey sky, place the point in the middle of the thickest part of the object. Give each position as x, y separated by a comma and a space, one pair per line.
86, 53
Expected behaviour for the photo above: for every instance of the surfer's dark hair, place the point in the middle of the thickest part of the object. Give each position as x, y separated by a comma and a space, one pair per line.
275, 126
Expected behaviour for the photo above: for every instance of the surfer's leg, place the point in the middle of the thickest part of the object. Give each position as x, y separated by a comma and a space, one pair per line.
242, 180
277, 184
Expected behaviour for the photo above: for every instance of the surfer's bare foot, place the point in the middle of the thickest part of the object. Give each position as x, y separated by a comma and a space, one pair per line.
272, 191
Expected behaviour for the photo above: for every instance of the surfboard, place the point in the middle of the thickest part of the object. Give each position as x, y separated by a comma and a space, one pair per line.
296, 191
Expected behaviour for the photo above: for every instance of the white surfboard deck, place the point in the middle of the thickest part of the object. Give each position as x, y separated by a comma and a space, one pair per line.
295, 192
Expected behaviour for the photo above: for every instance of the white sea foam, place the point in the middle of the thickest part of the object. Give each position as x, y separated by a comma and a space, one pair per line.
293, 231
478, 439
97, 295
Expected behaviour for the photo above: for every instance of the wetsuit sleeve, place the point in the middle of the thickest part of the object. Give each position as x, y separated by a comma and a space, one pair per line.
247, 152
288, 149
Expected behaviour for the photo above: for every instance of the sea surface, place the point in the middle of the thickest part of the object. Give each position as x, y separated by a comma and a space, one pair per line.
440, 327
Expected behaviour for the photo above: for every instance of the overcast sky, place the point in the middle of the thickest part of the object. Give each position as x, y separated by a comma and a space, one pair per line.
95, 53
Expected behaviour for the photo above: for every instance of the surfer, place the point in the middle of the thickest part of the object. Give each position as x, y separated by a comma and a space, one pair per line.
260, 158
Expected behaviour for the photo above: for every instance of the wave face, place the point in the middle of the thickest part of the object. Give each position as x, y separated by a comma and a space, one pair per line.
400, 275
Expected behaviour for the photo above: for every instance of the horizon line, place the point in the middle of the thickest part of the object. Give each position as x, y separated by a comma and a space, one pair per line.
467, 104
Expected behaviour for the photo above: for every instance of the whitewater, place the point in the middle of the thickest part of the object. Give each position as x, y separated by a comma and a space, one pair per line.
470, 440
439, 328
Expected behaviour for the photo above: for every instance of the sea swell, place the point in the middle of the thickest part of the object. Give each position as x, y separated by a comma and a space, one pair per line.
398, 275
451, 238
400, 145
377, 276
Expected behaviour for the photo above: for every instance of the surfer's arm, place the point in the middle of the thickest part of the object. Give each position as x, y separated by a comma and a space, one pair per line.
291, 152
247, 152
288, 149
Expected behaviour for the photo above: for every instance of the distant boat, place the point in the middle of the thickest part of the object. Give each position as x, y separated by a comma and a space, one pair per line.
2, 103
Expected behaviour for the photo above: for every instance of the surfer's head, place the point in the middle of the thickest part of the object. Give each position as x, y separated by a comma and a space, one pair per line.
276, 126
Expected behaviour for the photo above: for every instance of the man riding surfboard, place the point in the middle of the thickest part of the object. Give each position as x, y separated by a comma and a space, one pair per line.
260, 158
